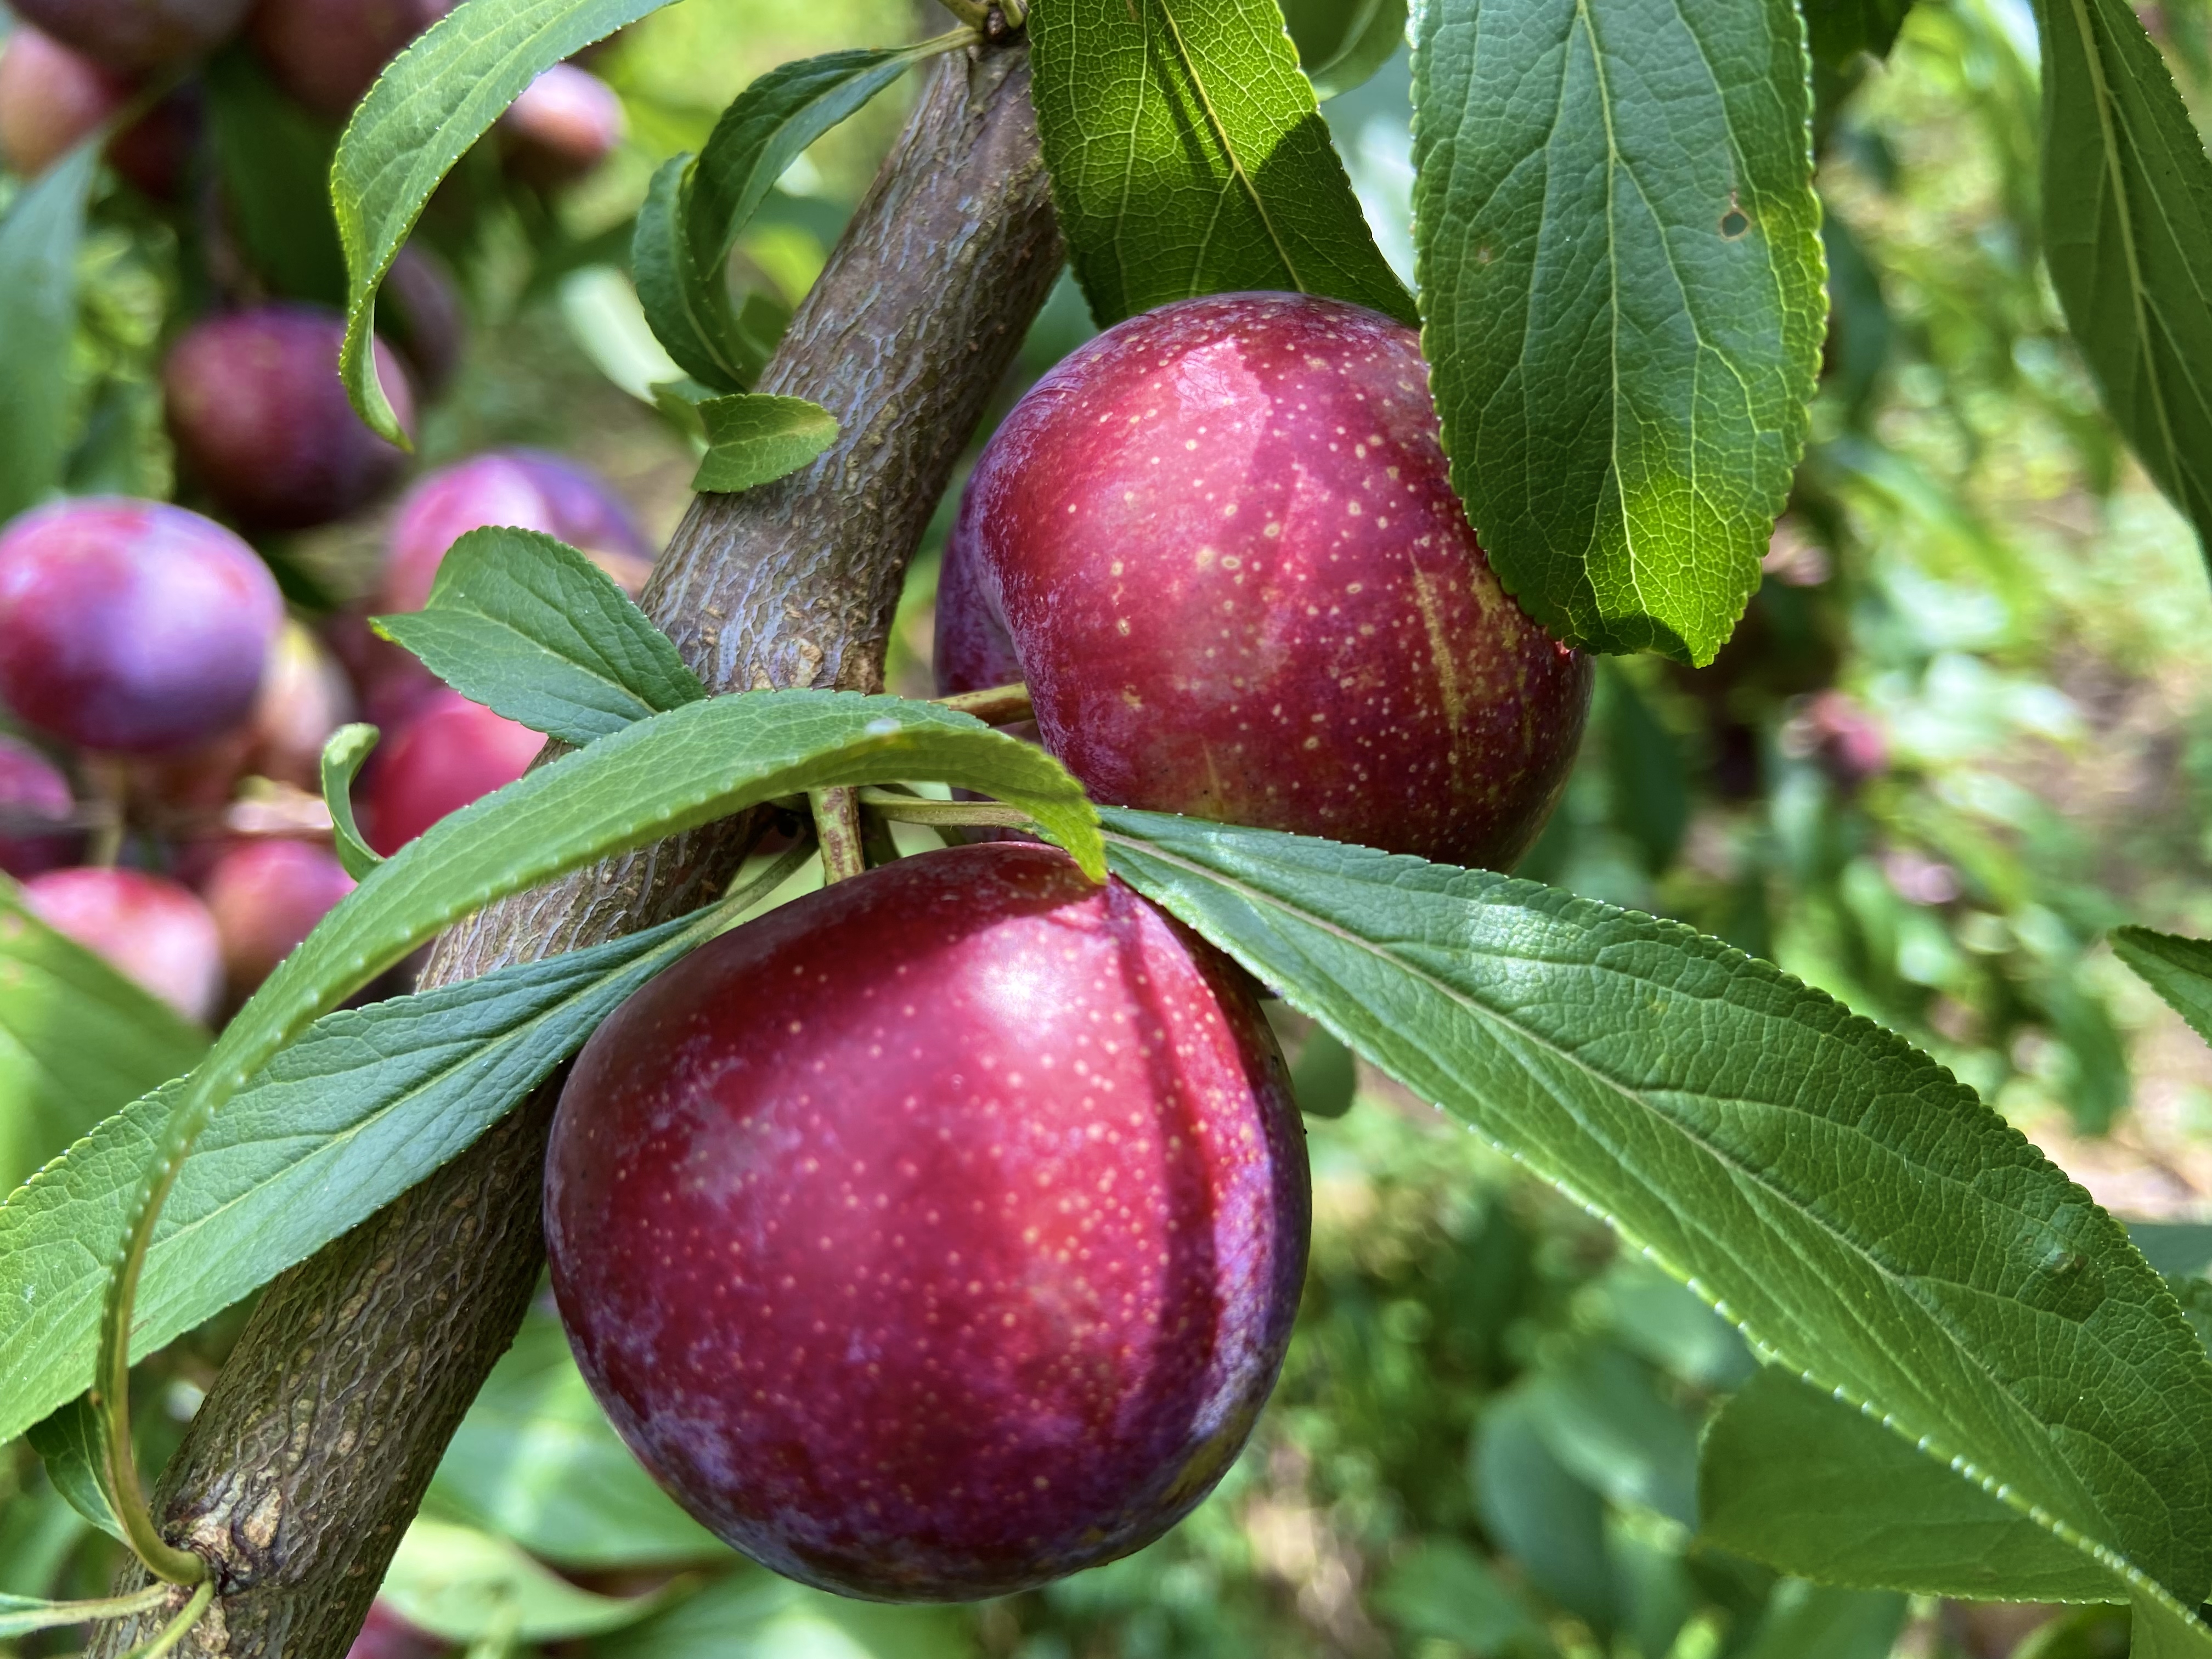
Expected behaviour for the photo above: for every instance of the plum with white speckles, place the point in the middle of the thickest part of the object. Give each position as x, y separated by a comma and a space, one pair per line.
937, 1234
1220, 544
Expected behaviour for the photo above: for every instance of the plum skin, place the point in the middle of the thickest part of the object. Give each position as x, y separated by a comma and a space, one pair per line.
937, 1234
135, 34
265, 897
1220, 544
154, 931
131, 626
526, 489
450, 751
32, 788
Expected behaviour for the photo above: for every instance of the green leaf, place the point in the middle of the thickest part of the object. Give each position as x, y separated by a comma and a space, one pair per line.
1839, 30
536, 1460
754, 438
1620, 272
532, 629
68, 1444
1791, 1476
2180, 969
274, 160
1819, 1621
1551, 1522
1861, 1216
434, 100
1645, 765
696, 210
1325, 1078
1444, 1590
1188, 156
78, 1040
38, 322
1603, 1420
465, 1585
368, 1103
343, 757
2127, 233
20, 1615
1342, 43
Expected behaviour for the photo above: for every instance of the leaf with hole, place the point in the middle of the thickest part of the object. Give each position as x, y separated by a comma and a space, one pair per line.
2127, 235
532, 629
1620, 271
1188, 156
431, 103
1861, 1216
753, 438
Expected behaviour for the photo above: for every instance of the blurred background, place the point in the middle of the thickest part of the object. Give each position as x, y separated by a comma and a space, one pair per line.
1965, 729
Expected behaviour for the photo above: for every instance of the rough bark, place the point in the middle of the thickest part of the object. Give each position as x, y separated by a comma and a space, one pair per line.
304, 1464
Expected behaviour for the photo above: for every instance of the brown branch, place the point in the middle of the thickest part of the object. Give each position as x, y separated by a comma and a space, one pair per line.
304, 1465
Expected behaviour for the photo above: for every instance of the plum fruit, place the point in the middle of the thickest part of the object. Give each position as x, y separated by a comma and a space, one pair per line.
135, 34
131, 626
526, 489
265, 897
261, 420
326, 53
51, 98
450, 753
939, 1233
149, 928
1220, 544
565, 123
33, 788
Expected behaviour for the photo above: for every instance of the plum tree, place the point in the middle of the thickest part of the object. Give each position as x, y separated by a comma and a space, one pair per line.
131, 626
326, 52
32, 788
565, 123
154, 930
261, 421
135, 34
940, 1233
1219, 544
265, 897
526, 489
450, 753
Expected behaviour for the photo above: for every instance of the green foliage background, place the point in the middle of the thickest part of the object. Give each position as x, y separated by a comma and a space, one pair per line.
1486, 1439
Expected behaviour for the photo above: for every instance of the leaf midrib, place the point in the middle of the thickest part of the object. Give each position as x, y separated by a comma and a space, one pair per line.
2104, 1555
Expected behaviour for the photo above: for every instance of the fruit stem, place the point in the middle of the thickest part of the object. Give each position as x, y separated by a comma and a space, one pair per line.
110, 784
837, 823
950, 814
999, 705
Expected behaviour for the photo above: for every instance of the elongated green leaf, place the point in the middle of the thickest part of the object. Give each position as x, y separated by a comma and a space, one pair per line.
275, 162
1820, 1621
537, 1461
342, 757
68, 1444
433, 101
1620, 272
1791, 1476
2180, 969
529, 627
1839, 30
37, 320
1341, 43
368, 1103
696, 209
2127, 233
20, 1615
466, 1586
1188, 156
1325, 1079
754, 438
1858, 1214
77, 1039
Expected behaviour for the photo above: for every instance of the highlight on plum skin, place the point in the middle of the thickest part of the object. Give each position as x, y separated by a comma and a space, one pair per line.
151, 929
1220, 544
131, 626
938, 1234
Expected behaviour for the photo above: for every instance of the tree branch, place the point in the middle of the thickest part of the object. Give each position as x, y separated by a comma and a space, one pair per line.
304, 1465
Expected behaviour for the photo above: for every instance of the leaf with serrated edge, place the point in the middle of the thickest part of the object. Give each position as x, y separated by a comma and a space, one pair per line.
38, 320
1188, 156
344, 756
430, 104
687, 313
2127, 236
2178, 968
532, 629
67, 1442
78, 1040
1620, 272
367, 1103
1856, 1211
754, 438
